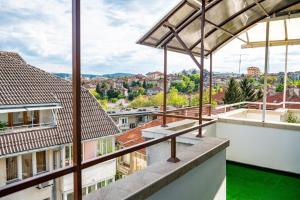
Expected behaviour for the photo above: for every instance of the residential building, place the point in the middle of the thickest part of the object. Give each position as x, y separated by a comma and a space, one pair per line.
36, 131
132, 117
155, 75
253, 71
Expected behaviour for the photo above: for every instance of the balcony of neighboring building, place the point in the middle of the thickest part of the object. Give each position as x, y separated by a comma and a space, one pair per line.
26, 119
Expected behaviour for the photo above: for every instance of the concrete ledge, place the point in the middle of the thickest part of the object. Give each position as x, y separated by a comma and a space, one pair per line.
150, 180
276, 125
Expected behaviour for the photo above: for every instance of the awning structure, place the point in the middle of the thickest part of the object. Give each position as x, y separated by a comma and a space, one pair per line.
225, 20
28, 108
283, 31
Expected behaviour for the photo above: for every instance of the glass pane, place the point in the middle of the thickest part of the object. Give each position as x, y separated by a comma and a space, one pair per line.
70, 196
109, 145
11, 168
27, 165
18, 119
41, 161
181, 15
84, 191
226, 9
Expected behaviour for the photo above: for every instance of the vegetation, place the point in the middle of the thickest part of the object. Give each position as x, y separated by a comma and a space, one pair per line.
174, 98
3, 125
243, 91
233, 93
291, 117
102, 102
248, 90
189, 83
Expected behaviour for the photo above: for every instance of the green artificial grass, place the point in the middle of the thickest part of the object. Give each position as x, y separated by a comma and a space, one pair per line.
248, 183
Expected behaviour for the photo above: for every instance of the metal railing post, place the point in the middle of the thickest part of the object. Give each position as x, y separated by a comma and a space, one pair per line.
202, 66
173, 157
165, 86
76, 90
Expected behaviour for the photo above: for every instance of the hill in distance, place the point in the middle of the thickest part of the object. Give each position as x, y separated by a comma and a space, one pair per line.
114, 75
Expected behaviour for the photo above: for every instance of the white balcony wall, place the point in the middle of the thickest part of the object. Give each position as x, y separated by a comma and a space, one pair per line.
32, 193
205, 182
274, 148
91, 175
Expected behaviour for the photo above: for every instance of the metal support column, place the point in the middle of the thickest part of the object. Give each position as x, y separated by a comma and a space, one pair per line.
210, 83
285, 75
173, 157
202, 66
285, 66
76, 90
165, 86
266, 72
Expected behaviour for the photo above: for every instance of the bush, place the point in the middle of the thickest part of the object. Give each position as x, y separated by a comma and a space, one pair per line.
291, 117
3, 125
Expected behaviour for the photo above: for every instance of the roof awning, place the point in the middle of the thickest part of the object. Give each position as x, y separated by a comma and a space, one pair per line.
225, 21
28, 108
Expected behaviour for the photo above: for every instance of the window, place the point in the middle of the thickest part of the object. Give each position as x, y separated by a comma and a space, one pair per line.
132, 125
101, 184
109, 181
124, 120
70, 196
32, 118
84, 191
41, 161
104, 146
68, 155
18, 119
3, 121
91, 188
109, 142
11, 168
27, 165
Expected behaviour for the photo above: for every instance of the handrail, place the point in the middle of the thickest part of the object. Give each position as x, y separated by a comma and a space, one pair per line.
255, 103
30, 182
143, 145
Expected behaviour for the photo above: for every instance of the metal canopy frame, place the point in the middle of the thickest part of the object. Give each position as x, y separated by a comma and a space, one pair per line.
196, 13
176, 30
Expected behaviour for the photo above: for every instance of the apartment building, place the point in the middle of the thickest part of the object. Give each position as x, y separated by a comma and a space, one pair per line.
130, 118
36, 132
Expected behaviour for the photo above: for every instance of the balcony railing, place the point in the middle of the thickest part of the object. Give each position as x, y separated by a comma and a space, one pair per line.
9, 129
47, 176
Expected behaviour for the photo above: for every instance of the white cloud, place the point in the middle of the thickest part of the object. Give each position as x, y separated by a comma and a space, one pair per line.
41, 30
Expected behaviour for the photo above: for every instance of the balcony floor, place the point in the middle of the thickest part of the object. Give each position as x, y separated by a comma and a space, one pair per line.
249, 183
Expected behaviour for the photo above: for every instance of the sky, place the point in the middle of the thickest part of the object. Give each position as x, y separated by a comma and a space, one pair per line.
41, 32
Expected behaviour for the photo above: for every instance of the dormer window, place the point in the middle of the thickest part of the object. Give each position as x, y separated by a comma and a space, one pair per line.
17, 118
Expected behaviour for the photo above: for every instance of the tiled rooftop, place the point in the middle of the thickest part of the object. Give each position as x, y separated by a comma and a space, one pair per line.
21, 83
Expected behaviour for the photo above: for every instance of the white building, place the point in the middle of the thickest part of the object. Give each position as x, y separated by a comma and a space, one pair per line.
36, 131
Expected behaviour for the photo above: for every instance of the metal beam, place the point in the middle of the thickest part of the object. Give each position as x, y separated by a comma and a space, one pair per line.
285, 74
165, 86
225, 31
271, 43
187, 22
76, 90
262, 8
285, 66
201, 66
225, 22
189, 52
266, 72
210, 83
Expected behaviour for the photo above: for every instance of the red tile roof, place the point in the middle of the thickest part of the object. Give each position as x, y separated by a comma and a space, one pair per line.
22, 84
134, 136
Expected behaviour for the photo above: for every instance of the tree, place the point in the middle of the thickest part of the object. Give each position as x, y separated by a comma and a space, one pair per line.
248, 90
175, 99
233, 93
279, 88
144, 85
